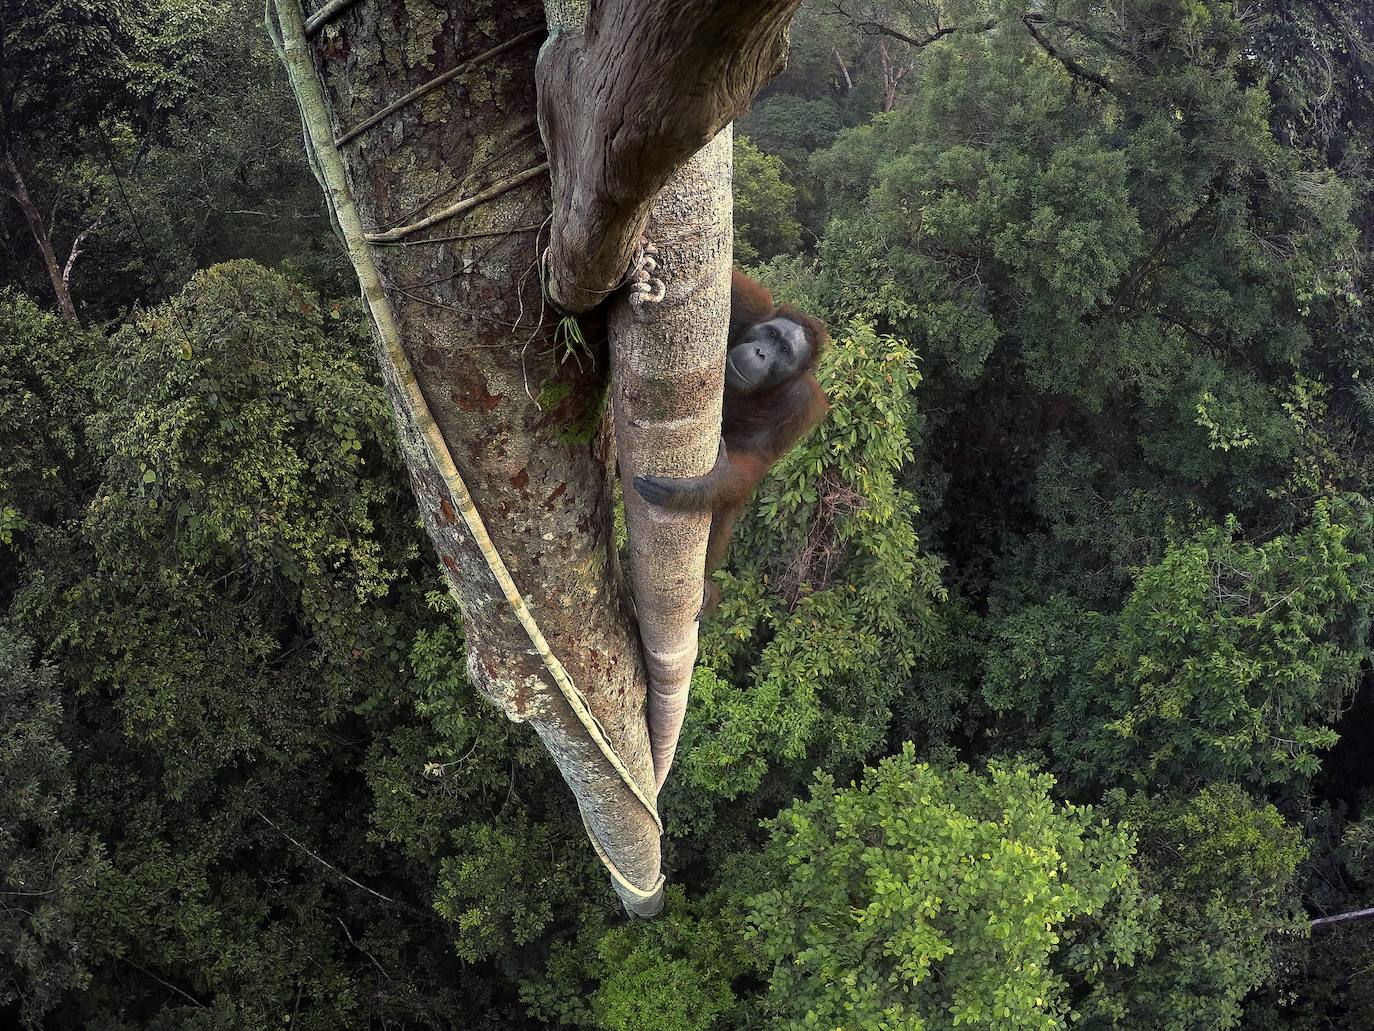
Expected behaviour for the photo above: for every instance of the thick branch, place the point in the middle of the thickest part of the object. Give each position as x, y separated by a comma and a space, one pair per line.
1070, 65
326, 14
870, 27
624, 103
874, 28
844, 71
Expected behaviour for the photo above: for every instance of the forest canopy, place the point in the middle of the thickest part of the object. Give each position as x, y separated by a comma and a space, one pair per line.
1040, 691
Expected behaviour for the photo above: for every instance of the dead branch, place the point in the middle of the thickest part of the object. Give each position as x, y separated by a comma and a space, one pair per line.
1341, 918
76, 249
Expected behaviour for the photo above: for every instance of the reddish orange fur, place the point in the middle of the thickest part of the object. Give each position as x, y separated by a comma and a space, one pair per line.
756, 429
760, 429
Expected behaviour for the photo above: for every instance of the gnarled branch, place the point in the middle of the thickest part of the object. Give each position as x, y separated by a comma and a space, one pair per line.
872, 27
615, 124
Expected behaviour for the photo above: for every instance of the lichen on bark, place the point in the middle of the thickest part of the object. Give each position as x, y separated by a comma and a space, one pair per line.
456, 312
444, 206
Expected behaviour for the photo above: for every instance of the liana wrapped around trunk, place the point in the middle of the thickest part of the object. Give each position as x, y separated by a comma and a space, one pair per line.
423, 122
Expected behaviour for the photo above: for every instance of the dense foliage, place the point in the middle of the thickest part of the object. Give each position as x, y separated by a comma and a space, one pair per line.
1040, 691
922, 899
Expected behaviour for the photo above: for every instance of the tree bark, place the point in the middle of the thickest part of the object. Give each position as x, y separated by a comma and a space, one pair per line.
59, 278
844, 72
623, 103
668, 362
524, 430
892, 77
421, 119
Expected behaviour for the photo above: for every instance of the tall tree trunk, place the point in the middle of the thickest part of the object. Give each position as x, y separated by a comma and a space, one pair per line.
421, 118
57, 275
668, 365
463, 297
629, 90
892, 77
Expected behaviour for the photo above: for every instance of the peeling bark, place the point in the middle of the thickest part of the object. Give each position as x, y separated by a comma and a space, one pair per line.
623, 103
